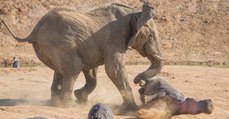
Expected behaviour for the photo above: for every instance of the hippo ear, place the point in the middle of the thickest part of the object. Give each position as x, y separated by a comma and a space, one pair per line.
146, 14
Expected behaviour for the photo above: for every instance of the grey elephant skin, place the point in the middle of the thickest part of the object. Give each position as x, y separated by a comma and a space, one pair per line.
70, 41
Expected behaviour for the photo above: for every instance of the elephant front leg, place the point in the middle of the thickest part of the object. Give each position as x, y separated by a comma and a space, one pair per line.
56, 88
82, 94
115, 69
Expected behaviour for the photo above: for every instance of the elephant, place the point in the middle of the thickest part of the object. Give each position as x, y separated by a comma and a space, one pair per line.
70, 41
157, 93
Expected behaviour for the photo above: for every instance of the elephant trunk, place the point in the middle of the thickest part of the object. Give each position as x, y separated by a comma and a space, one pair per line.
153, 70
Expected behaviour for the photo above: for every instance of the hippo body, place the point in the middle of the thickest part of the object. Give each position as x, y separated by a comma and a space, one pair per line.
157, 92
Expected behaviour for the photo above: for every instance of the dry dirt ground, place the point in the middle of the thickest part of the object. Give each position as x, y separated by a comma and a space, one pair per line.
24, 92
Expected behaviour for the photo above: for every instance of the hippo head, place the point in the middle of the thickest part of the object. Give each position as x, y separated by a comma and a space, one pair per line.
192, 106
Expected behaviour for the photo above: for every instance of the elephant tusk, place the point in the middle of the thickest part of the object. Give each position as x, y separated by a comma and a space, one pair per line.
158, 57
130, 48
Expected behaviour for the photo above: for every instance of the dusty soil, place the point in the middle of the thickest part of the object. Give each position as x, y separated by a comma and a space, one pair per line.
191, 31
25, 92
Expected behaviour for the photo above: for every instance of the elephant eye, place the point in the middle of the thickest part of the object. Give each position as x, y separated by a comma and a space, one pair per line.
150, 36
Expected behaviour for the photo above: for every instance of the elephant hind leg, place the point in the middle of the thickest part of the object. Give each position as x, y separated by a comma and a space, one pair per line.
90, 76
69, 68
66, 90
56, 87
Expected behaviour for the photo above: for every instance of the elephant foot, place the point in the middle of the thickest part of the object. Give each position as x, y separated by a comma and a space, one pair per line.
55, 103
127, 107
68, 104
55, 99
67, 101
81, 96
59, 101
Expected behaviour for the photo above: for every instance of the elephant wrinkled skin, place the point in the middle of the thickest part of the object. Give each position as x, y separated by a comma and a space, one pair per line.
70, 41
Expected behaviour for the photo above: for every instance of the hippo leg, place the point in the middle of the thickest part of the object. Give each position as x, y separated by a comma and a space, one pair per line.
145, 98
191, 106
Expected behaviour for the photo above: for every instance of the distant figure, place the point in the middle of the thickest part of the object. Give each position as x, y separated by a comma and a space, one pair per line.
16, 62
100, 111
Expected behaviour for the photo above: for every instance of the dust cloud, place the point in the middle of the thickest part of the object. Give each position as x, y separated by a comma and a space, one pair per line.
159, 110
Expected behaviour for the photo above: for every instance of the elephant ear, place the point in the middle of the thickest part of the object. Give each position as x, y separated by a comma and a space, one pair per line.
146, 14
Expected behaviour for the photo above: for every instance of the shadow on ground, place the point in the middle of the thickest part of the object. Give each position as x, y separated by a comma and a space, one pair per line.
14, 102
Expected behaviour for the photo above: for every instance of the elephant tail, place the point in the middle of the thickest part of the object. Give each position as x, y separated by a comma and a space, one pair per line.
27, 39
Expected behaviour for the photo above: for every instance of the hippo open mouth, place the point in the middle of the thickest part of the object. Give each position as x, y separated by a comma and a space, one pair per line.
157, 89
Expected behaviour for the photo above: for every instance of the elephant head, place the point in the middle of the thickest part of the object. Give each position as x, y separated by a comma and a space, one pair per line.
146, 41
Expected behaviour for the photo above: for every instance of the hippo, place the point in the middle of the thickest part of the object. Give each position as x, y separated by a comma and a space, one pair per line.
156, 93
